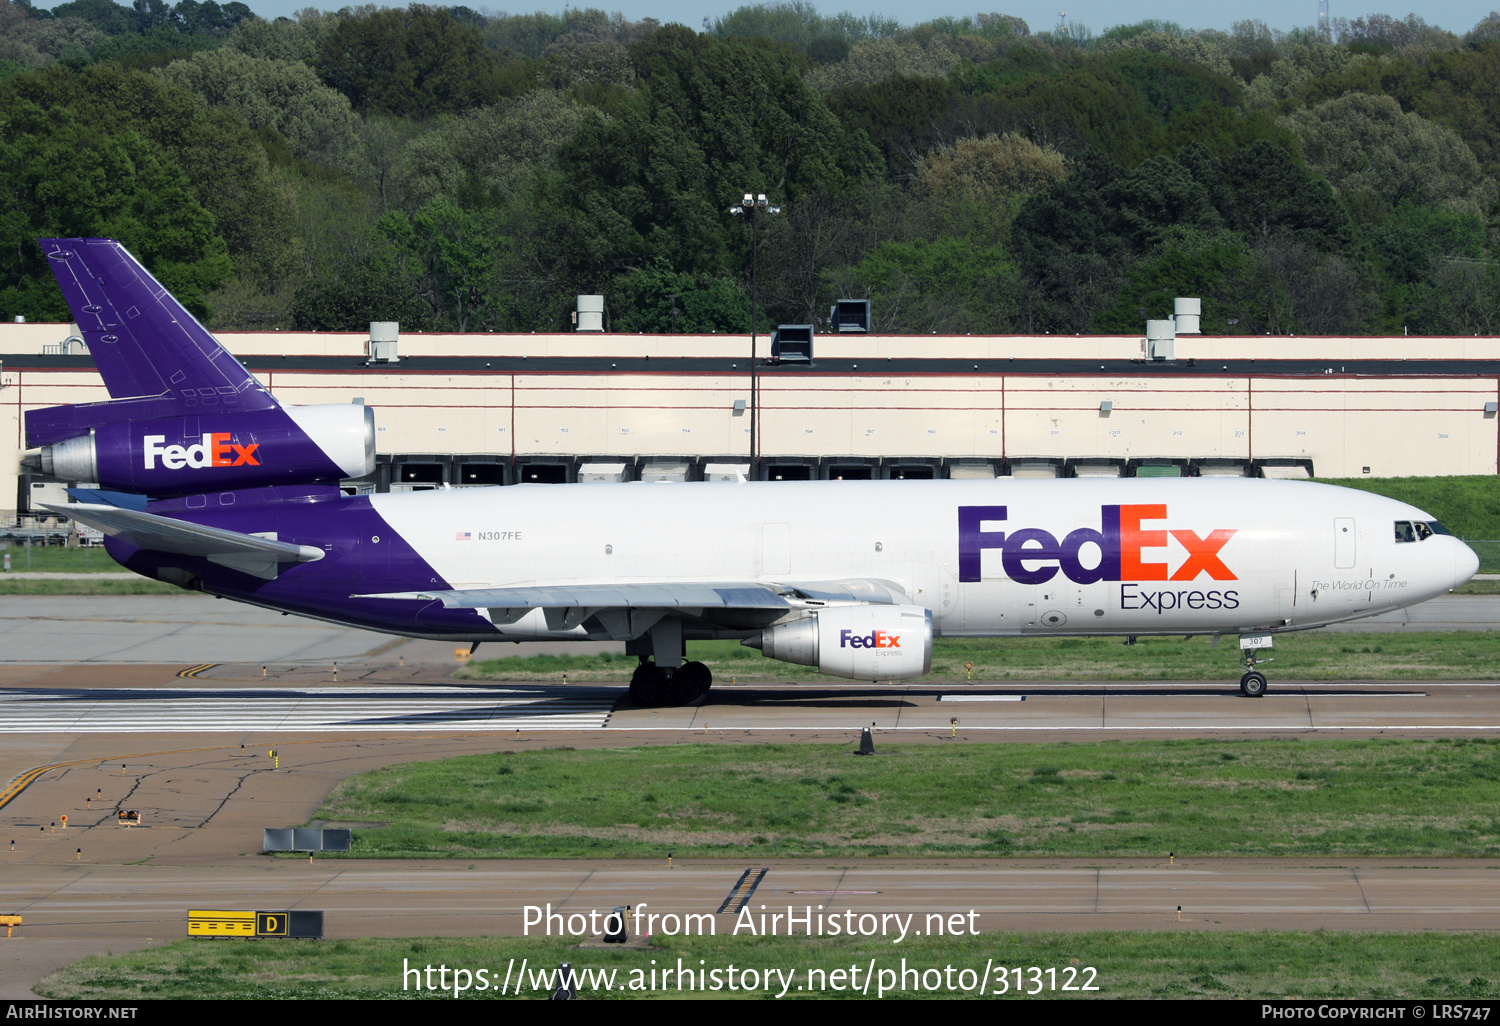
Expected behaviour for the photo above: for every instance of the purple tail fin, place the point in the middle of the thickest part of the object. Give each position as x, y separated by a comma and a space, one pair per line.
186, 417
142, 339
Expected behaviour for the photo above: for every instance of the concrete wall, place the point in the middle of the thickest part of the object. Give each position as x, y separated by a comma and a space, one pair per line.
1411, 422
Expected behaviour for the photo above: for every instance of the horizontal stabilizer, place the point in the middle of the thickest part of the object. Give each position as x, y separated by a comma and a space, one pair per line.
249, 553
48, 425
144, 342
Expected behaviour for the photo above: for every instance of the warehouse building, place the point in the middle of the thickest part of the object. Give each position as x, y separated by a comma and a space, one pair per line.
477, 409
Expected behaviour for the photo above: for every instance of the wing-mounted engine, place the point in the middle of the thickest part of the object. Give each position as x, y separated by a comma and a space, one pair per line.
856, 641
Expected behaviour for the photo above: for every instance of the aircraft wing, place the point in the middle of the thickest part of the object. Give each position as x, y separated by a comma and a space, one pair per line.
668, 595
253, 554
626, 610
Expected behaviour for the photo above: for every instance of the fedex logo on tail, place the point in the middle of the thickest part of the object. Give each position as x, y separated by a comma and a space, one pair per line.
877, 639
1125, 541
216, 450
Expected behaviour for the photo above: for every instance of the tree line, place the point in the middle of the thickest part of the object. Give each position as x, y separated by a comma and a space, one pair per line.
457, 171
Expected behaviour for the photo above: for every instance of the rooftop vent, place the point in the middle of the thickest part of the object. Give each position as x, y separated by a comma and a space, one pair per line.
850, 315
383, 338
792, 343
1188, 313
590, 314
1161, 337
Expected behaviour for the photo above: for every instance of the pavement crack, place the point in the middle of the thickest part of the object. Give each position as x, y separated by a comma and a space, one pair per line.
239, 783
56, 891
316, 890
1354, 872
576, 887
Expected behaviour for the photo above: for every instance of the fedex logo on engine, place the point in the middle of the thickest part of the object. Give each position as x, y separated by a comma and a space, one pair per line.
1124, 542
877, 639
216, 450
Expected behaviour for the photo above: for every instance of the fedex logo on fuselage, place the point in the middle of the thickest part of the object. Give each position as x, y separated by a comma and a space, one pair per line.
216, 450
876, 639
1124, 540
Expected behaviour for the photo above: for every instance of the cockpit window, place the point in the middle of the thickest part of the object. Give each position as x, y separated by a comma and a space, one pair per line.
1418, 530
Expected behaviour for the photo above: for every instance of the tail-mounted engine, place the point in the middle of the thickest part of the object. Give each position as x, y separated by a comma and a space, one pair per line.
240, 449
857, 641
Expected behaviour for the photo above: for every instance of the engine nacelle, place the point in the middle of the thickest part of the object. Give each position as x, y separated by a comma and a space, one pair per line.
861, 642
174, 456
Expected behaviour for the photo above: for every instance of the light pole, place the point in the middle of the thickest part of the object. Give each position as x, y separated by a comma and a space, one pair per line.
750, 208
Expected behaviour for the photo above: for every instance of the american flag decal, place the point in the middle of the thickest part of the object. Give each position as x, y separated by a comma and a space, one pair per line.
462, 536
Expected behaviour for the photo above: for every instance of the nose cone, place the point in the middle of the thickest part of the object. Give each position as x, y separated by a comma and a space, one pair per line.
1466, 564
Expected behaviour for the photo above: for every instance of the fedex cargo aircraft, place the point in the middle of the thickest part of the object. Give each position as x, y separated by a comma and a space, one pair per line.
238, 496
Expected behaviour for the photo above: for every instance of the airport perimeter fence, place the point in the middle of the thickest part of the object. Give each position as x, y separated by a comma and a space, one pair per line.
1488, 551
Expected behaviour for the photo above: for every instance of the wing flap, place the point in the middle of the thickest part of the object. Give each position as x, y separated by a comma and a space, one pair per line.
252, 554
613, 596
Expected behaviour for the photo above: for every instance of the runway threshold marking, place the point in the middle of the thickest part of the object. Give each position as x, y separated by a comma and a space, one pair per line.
739, 895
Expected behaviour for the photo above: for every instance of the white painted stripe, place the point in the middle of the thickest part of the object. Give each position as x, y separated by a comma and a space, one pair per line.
326, 709
981, 698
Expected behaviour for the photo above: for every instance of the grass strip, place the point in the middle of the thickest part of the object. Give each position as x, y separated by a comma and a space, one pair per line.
1305, 656
1372, 798
1262, 965
57, 559
130, 585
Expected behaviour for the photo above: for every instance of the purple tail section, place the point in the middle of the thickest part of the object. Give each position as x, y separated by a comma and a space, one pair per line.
147, 347
186, 416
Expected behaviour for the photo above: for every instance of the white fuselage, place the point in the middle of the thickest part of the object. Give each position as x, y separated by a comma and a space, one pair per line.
1073, 556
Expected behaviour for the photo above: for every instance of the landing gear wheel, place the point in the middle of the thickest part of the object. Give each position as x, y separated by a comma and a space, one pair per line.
647, 688
691, 682
1253, 684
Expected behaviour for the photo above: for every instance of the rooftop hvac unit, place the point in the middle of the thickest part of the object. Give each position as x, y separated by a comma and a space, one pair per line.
1188, 313
792, 343
590, 315
383, 337
850, 315
1160, 339
726, 471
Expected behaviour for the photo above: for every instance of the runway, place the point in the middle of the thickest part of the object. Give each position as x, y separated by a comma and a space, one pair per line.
192, 629
192, 709
180, 723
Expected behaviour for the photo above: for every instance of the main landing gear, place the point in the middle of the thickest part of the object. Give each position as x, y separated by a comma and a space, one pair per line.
653, 685
1253, 683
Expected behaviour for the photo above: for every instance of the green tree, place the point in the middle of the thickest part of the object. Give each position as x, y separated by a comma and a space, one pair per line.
660, 301
71, 178
224, 163
946, 287
284, 39
489, 155
1378, 157
413, 63
706, 121
285, 96
372, 292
